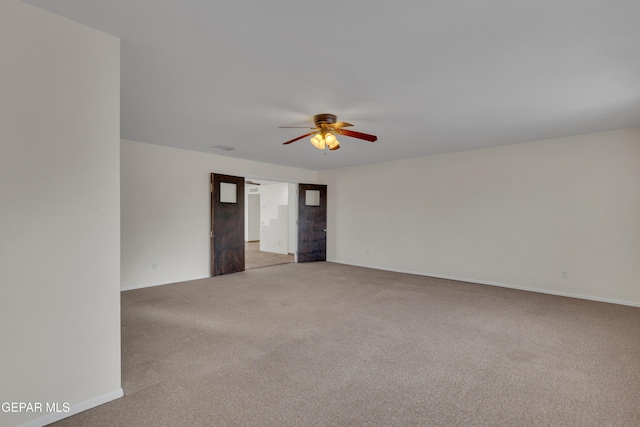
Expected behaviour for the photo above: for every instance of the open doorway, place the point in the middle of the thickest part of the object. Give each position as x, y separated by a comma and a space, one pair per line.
270, 223
292, 223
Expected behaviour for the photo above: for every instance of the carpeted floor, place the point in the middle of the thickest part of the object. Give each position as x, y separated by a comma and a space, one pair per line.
324, 344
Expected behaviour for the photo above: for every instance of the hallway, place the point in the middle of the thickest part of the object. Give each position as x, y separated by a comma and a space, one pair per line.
255, 258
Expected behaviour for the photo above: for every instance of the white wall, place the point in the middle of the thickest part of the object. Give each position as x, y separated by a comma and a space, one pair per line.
166, 209
252, 215
517, 215
274, 218
59, 215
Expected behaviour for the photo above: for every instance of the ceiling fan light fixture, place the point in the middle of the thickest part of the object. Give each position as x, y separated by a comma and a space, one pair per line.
318, 141
330, 138
333, 145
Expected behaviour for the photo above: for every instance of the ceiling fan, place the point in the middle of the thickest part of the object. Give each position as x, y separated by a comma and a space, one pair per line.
324, 134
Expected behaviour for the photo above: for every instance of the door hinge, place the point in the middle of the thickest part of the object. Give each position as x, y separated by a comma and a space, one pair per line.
211, 234
211, 187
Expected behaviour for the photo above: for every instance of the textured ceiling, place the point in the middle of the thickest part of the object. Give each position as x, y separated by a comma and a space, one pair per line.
426, 77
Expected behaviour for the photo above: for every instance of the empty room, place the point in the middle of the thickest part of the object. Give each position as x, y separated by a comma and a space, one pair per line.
456, 183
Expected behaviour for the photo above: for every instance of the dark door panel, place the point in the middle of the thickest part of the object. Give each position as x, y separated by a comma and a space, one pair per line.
227, 224
312, 222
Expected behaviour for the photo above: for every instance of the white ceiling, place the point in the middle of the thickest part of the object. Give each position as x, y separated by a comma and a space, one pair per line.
426, 77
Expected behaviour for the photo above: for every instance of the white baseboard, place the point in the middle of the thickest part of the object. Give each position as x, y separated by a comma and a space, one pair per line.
501, 285
75, 409
149, 285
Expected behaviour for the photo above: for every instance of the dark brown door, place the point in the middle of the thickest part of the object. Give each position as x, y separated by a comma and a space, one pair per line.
312, 222
227, 224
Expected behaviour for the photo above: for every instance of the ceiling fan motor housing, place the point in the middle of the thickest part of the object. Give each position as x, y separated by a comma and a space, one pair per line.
324, 119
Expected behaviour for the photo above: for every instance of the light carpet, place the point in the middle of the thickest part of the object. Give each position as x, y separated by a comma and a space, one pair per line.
325, 344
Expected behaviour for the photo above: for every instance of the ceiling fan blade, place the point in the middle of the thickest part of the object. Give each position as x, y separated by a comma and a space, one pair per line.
295, 139
341, 125
359, 135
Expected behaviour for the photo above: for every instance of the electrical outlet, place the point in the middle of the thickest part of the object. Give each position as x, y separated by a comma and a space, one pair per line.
565, 274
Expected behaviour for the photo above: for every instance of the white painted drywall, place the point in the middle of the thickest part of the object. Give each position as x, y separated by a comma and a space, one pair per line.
252, 218
517, 215
274, 218
166, 209
60, 213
